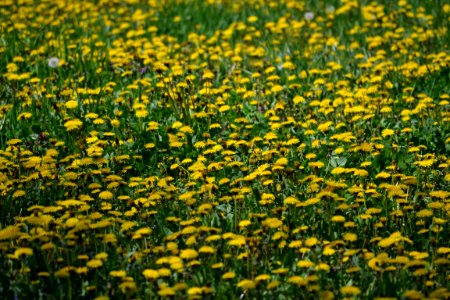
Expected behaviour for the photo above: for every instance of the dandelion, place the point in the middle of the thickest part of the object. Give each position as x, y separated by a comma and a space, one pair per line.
23, 251
228, 275
71, 104
312, 241
350, 237
105, 195
308, 16
73, 124
118, 273
94, 263
150, 274
246, 284
53, 62
387, 132
166, 291
188, 254
350, 290
272, 222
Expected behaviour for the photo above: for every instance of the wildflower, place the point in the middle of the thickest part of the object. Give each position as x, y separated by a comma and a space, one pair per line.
350, 290
425, 163
383, 175
312, 241
246, 284
350, 237
94, 263
73, 124
244, 223
53, 62
195, 290
23, 251
19, 193
207, 249
308, 16
188, 254
305, 264
273, 284
228, 275
262, 277
118, 273
127, 287
297, 280
272, 222
71, 104
328, 251
150, 274
424, 213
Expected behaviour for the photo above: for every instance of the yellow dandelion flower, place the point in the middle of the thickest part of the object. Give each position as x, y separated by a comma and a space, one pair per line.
272, 222
150, 274
295, 244
228, 275
166, 292
22, 251
305, 264
262, 277
297, 280
383, 175
424, 213
350, 290
118, 273
105, 195
312, 241
195, 291
244, 223
273, 284
291, 201
443, 250
350, 237
164, 272
237, 241
188, 254
338, 219
207, 249
94, 263
73, 124
246, 284
19, 193
413, 294
387, 132
440, 194
323, 267
328, 251
71, 104
425, 163
9, 232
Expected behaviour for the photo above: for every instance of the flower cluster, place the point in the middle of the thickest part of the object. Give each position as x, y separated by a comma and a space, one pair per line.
224, 149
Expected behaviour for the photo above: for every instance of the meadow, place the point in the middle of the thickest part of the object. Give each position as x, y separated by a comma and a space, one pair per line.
256, 149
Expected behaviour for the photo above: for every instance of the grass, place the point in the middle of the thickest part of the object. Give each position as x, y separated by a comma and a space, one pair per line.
224, 149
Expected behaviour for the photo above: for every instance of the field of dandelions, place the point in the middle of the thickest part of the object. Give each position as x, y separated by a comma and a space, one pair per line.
193, 149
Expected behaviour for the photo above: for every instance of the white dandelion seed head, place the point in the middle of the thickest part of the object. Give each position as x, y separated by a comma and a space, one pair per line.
309, 15
330, 9
53, 62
